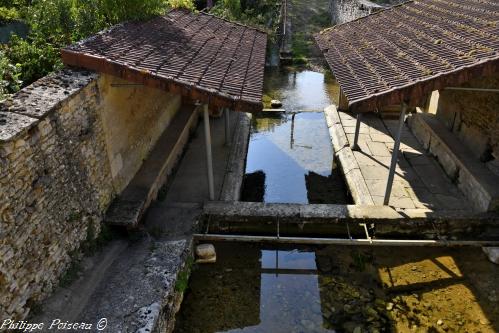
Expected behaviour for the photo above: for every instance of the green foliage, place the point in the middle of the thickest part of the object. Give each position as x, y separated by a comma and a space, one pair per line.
188, 4
57, 23
262, 14
8, 14
72, 272
233, 6
9, 76
182, 282
35, 58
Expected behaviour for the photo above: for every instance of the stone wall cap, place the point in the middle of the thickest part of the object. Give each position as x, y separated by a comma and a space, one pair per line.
12, 124
25, 108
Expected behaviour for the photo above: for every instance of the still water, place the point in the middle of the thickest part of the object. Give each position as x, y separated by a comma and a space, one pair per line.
290, 156
255, 288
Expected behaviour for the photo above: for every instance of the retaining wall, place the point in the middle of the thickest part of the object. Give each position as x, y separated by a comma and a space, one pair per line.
343, 11
473, 117
58, 173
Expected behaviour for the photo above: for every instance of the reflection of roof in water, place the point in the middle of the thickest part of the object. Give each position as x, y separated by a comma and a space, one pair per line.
326, 189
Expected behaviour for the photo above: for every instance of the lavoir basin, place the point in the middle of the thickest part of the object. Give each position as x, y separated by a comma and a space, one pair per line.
253, 288
290, 156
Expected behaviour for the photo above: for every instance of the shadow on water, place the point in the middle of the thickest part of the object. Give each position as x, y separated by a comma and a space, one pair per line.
255, 288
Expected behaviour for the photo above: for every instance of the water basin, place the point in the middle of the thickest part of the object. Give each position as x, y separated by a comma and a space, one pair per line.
256, 288
290, 156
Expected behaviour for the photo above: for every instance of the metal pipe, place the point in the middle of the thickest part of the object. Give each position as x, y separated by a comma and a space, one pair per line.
395, 153
342, 241
357, 131
227, 127
209, 158
118, 85
473, 89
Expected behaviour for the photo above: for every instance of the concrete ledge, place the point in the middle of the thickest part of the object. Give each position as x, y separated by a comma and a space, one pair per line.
348, 164
300, 219
231, 189
132, 285
477, 182
128, 208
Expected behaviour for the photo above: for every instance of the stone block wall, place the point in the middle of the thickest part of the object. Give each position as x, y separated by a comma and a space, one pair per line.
54, 184
474, 117
343, 11
57, 145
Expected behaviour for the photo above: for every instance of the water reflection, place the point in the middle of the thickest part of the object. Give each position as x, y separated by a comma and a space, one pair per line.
341, 289
293, 156
290, 156
301, 90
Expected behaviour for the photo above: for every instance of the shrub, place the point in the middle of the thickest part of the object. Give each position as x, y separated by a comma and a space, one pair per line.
35, 58
9, 76
188, 4
8, 14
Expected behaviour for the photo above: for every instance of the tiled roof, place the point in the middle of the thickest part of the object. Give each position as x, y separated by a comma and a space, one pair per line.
195, 54
406, 51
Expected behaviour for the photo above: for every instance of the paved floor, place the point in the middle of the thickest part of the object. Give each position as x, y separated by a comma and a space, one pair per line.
190, 183
419, 181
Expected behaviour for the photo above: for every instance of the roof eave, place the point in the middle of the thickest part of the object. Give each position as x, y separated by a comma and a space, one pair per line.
416, 93
212, 98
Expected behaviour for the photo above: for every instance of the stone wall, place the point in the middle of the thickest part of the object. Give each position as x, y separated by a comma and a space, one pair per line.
343, 11
473, 117
57, 141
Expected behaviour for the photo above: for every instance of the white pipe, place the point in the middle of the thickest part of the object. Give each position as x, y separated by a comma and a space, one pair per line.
342, 241
473, 89
209, 158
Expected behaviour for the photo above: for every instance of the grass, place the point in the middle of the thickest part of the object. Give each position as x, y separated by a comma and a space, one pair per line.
308, 18
71, 274
182, 282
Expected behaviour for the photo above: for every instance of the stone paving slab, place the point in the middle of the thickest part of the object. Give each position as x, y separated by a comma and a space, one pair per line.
420, 182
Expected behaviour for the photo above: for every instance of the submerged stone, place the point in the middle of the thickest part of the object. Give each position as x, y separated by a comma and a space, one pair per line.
206, 253
492, 253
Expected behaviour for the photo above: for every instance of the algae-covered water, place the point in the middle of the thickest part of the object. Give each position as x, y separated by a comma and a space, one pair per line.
253, 288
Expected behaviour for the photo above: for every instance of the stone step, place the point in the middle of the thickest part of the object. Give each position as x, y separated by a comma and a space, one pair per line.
473, 178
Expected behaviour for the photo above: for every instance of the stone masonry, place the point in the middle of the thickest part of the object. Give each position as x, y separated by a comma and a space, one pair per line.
55, 184
60, 139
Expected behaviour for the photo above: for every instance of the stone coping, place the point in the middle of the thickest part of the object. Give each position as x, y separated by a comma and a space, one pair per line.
233, 181
27, 107
348, 164
330, 219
